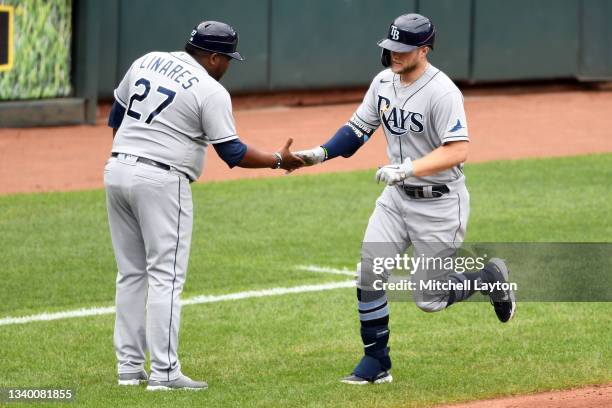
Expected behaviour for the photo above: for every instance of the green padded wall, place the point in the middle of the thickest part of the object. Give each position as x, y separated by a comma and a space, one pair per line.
525, 39
452, 19
595, 61
297, 44
328, 43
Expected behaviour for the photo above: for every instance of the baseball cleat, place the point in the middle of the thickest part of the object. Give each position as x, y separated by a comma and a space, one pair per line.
181, 383
382, 377
503, 300
132, 378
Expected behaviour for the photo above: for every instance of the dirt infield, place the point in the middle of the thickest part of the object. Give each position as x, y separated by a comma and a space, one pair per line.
591, 397
504, 126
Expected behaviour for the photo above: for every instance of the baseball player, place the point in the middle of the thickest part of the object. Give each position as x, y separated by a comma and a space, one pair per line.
168, 108
425, 203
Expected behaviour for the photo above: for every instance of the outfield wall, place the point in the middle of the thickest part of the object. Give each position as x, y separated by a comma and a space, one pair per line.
76, 51
296, 44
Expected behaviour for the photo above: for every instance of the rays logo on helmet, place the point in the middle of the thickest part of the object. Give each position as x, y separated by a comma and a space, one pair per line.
398, 121
394, 33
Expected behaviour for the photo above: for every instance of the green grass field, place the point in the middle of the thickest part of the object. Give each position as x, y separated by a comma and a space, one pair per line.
291, 350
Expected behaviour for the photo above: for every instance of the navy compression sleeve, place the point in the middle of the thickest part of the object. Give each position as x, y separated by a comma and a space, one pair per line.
232, 152
116, 115
344, 143
348, 139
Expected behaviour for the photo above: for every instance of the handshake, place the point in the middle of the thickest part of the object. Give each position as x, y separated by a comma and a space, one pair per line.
291, 161
391, 174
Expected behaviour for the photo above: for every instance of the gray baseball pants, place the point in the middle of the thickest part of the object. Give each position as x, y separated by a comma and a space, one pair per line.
433, 226
150, 213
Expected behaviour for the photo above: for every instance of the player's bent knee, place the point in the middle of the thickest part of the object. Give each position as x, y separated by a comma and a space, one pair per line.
365, 276
431, 307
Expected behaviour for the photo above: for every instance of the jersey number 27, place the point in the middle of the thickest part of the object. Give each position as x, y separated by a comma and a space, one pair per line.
170, 94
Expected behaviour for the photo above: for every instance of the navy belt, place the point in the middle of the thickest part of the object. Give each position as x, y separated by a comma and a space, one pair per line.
153, 163
434, 191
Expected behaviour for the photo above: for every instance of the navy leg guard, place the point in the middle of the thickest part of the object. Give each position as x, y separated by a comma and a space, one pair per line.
369, 368
376, 359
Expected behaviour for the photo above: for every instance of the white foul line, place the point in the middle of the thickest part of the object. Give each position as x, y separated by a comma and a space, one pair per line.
97, 311
322, 269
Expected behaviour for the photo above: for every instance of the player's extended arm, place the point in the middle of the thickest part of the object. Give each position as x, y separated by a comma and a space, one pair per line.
345, 142
236, 153
444, 157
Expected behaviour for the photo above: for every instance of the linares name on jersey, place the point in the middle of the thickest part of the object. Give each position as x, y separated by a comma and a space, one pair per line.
169, 68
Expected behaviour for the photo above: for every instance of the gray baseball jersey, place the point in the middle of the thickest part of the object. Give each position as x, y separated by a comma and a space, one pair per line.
174, 109
416, 119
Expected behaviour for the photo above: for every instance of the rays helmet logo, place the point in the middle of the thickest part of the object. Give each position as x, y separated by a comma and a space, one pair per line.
398, 121
394, 33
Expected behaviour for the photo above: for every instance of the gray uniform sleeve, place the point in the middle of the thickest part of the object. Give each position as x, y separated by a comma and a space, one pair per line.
367, 114
122, 93
217, 118
448, 118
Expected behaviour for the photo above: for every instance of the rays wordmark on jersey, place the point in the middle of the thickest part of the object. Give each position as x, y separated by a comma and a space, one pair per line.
398, 121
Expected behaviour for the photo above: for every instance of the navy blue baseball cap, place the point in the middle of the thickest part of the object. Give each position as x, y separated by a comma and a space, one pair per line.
215, 36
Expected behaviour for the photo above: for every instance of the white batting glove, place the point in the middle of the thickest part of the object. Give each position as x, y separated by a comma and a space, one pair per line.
312, 156
394, 173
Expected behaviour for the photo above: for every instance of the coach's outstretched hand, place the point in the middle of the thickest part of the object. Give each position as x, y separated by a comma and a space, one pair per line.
289, 161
